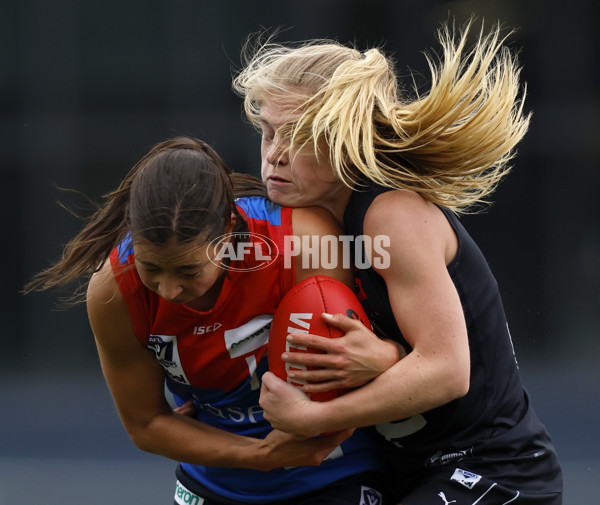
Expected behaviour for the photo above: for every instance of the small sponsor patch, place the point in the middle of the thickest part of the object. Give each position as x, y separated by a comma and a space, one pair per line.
370, 496
465, 478
183, 496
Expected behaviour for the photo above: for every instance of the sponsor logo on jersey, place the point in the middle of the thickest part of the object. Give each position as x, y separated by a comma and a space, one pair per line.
252, 414
465, 478
248, 337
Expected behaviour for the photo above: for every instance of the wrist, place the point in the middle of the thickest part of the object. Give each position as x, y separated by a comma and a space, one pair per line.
254, 454
321, 419
394, 354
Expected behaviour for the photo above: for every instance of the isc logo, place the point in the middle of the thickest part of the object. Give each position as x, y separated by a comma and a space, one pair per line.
201, 330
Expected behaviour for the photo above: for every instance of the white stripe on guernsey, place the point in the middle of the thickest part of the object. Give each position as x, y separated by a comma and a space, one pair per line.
254, 382
248, 337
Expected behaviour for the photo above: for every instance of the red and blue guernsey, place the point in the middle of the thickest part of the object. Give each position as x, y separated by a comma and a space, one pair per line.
217, 358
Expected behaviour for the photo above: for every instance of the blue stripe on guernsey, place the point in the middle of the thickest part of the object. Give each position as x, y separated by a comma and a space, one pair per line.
125, 249
239, 412
358, 454
257, 207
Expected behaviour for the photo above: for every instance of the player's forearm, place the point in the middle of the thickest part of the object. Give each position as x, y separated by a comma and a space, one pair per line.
412, 386
185, 439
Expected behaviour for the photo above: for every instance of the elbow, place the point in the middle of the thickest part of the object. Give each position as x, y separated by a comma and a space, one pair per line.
449, 377
452, 377
456, 372
141, 437
457, 383
142, 443
460, 388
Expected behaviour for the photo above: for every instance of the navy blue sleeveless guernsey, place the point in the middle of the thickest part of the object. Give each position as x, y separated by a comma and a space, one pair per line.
494, 417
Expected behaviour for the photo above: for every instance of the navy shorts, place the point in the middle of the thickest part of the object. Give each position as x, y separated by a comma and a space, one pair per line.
369, 488
458, 486
518, 467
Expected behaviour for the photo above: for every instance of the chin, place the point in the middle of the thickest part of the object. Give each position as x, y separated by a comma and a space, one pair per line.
276, 197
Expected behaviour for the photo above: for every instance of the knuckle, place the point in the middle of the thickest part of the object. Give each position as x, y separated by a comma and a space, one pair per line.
338, 362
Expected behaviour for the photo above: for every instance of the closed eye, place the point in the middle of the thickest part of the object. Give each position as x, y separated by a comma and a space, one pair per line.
268, 133
190, 275
150, 269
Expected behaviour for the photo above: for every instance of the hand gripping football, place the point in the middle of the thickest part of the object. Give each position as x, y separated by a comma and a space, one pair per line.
300, 312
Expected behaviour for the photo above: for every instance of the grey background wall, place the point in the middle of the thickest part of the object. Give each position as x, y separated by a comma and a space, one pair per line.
87, 87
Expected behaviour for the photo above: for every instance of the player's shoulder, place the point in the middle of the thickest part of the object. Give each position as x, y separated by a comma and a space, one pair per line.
401, 200
314, 221
403, 210
103, 289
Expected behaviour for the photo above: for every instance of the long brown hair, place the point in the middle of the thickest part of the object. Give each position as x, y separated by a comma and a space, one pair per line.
180, 189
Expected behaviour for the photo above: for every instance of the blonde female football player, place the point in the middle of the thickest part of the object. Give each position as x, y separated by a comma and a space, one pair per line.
339, 131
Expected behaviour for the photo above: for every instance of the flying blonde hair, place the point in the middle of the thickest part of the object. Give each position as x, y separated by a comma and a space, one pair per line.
452, 145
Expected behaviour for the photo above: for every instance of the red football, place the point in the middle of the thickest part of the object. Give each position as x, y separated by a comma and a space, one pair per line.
300, 312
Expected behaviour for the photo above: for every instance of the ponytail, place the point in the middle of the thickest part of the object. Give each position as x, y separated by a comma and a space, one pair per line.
89, 249
180, 189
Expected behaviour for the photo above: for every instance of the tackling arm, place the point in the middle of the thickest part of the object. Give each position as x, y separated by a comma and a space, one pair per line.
429, 313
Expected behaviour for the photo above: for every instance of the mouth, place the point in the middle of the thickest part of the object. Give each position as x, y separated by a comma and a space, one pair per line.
177, 301
276, 179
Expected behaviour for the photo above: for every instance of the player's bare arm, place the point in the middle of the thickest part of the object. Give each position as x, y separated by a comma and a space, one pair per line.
439, 356
136, 382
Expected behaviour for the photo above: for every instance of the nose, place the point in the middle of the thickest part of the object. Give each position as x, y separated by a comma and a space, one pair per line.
169, 288
275, 155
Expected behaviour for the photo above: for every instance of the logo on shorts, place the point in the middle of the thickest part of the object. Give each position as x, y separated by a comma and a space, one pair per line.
465, 478
370, 496
440, 458
183, 496
443, 497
